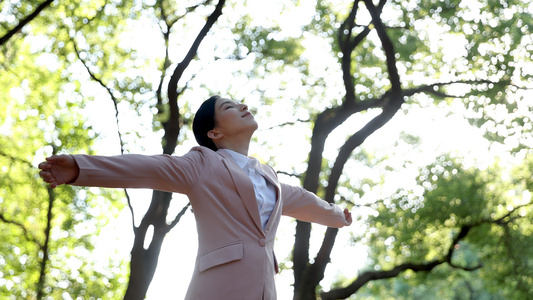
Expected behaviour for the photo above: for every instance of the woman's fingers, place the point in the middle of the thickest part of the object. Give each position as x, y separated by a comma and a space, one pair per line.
48, 178
348, 216
45, 172
58, 169
44, 166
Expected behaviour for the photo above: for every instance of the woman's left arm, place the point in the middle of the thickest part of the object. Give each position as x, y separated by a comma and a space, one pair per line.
306, 206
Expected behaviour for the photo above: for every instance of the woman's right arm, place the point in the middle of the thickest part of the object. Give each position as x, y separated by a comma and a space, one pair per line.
159, 172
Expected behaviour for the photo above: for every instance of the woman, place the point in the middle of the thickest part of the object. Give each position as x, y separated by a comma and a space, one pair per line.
237, 202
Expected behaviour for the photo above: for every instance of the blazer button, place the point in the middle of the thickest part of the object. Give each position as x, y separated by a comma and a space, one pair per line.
262, 242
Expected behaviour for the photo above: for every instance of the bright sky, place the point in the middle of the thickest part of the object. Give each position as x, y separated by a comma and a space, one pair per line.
439, 131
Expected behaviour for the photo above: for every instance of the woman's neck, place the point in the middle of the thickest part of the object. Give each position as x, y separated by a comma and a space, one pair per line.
241, 148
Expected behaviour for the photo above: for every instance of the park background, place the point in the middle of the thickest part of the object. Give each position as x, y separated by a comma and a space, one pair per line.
416, 115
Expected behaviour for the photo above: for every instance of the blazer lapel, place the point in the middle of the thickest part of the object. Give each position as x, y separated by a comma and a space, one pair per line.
271, 177
244, 187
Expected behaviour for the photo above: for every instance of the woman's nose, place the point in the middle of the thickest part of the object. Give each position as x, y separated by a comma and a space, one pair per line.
244, 107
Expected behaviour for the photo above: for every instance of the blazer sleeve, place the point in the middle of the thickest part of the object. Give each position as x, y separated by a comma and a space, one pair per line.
306, 206
159, 172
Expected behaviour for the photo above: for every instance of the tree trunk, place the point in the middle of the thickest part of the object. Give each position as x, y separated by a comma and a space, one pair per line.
45, 246
144, 260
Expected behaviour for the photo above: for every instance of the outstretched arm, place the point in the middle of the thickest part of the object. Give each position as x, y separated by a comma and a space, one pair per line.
59, 169
306, 206
159, 172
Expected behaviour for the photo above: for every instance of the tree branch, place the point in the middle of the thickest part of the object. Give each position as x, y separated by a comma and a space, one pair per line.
355, 141
367, 276
288, 123
45, 246
178, 217
27, 234
289, 174
325, 123
347, 47
144, 261
115, 104
432, 88
318, 268
109, 92
25, 21
388, 46
172, 125
27, 163
166, 62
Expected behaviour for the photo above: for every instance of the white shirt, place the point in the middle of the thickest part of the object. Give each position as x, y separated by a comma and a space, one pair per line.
265, 192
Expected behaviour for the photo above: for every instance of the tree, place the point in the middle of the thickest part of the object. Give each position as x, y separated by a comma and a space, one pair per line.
45, 233
383, 58
398, 47
24, 19
467, 222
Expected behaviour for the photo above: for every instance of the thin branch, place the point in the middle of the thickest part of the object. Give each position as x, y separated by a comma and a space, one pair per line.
388, 47
109, 92
188, 10
130, 207
469, 269
27, 234
16, 159
287, 123
178, 217
25, 21
166, 61
502, 220
345, 33
353, 204
289, 174
115, 104
431, 88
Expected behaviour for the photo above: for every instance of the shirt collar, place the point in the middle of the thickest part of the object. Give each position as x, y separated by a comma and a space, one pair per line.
240, 159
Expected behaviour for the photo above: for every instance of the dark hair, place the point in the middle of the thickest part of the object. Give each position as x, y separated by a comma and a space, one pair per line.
204, 121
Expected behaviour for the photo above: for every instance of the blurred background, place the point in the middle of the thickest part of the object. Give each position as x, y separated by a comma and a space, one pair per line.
416, 115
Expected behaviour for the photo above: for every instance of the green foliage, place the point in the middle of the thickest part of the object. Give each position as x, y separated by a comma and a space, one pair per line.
46, 67
456, 284
264, 43
420, 227
493, 43
41, 114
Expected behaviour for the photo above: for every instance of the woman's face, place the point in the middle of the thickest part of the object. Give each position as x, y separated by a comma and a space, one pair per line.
232, 118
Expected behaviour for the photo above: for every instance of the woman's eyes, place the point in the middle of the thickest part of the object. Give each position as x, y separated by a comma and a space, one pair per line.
228, 106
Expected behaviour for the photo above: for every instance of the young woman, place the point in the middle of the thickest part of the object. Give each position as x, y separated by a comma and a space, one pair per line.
237, 202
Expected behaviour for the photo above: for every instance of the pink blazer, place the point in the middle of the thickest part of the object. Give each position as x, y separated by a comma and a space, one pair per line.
235, 258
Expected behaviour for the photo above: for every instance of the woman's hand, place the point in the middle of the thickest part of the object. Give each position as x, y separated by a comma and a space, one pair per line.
348, 217
59, 169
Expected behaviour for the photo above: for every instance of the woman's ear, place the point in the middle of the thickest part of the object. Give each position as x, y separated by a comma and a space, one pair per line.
214, 135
